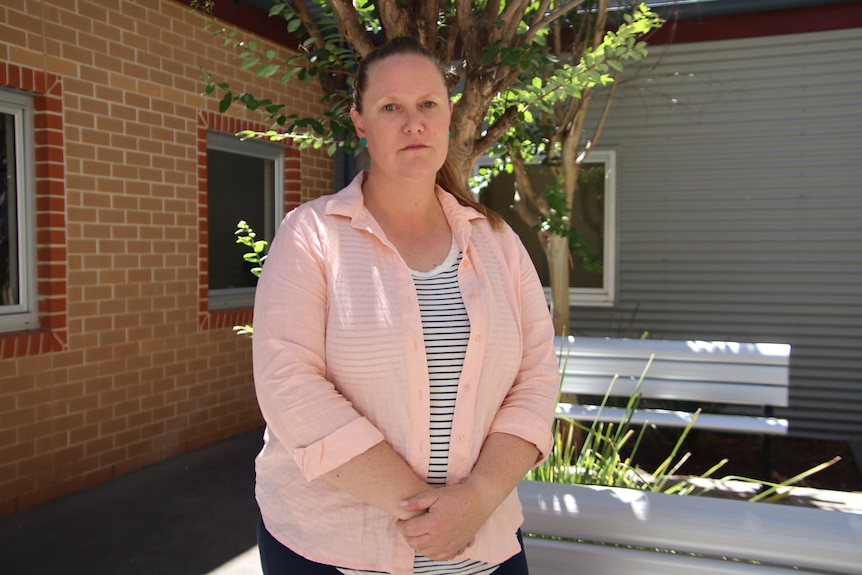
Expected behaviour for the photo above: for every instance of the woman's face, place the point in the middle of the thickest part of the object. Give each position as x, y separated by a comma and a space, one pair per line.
405, 117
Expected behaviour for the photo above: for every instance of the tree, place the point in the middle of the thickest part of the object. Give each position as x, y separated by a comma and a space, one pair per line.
507, 62
553, 131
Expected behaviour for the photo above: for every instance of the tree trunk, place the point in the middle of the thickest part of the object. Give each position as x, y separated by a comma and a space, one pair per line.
557, 252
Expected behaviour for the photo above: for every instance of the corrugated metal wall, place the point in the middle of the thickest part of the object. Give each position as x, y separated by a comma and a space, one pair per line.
740, 208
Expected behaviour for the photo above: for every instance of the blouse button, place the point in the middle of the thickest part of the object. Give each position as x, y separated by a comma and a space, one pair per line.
460, 439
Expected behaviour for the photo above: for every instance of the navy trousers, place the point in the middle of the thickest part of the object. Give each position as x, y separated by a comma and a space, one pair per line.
276, 559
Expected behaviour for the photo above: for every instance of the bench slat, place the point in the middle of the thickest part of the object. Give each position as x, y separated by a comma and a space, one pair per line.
662, 368
706, 392
726, 373
718, 351
679, 419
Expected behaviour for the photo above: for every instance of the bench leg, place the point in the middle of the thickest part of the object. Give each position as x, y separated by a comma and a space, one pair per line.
767, 448
767, 457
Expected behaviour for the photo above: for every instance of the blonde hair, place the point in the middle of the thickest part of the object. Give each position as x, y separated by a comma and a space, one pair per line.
451, 180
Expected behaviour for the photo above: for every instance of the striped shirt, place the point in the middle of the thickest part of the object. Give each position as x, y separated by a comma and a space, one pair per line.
446, 330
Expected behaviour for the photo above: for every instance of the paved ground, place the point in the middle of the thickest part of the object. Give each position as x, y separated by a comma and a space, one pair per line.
191, 515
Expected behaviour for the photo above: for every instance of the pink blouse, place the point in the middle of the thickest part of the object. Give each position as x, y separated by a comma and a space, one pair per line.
339, 365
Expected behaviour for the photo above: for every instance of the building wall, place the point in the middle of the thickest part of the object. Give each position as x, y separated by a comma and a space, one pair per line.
740, 208
128, 367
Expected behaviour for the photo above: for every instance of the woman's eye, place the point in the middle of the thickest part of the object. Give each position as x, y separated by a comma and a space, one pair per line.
389, 107
429, 104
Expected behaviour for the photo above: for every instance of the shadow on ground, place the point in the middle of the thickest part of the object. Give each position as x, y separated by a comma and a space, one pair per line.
186, 516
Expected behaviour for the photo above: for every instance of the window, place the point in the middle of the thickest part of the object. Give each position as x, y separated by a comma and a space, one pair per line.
18, 304
245, 181
594, 216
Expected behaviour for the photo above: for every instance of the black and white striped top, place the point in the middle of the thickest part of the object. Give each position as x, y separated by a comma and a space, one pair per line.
446, 329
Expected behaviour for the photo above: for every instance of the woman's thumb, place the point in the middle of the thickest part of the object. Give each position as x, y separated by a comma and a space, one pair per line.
419, 502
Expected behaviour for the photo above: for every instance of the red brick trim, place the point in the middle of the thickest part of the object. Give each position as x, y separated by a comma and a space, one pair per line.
50, 188
819, 18
292, 195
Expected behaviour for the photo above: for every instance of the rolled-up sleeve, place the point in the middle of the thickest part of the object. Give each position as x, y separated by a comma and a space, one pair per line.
528, 410
319, 427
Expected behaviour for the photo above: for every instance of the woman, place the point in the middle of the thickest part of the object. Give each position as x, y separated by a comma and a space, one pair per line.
403, 357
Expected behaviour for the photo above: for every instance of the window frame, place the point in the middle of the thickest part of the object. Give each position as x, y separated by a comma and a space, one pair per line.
25, 314
604, 296
235, 298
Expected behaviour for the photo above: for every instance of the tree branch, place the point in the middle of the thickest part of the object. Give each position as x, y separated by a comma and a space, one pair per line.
350, 27
543, 7
310, 23
601, 121
543, 20
497, 129
492, 10
464, 16
599, 30
426, 19
395, 19
525, 190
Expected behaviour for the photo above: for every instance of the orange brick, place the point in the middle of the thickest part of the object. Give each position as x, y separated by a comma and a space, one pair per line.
121, 127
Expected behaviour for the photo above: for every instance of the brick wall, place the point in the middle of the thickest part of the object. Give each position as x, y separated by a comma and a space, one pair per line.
128, 367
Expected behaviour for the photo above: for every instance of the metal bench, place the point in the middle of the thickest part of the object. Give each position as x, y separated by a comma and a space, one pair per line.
737, 384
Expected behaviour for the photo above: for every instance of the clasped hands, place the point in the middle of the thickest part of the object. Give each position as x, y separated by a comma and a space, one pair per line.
445, 520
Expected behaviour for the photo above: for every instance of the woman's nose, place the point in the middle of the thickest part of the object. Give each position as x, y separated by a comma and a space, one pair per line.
413, 122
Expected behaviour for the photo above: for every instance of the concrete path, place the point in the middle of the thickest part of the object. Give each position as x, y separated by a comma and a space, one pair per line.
190, 515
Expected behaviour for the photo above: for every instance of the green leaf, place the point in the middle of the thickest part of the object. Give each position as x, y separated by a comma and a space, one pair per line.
225, 103
294, 25
249, 101
266, 70
510, 58
288, 75
490, 55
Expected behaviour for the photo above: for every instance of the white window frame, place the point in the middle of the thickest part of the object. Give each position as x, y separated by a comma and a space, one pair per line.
606, 295
233, 298
25, 314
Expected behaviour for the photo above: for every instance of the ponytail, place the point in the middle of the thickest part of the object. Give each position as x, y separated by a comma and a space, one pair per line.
450, 179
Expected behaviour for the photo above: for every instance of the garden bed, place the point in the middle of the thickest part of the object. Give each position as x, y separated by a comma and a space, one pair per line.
790, 456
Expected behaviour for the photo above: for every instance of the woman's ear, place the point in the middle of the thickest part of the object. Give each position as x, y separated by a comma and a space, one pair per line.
357, 122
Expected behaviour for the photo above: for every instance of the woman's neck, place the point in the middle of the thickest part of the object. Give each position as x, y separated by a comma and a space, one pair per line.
406, 203
412, 219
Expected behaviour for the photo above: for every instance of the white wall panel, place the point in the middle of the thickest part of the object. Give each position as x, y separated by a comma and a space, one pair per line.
740, 212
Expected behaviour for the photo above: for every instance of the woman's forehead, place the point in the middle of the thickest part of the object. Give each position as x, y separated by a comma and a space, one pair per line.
417, 77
